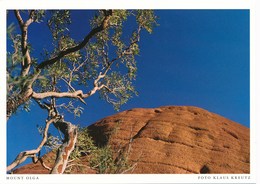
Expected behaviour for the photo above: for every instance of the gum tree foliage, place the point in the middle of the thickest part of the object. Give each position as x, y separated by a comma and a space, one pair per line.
101, 62
104, 160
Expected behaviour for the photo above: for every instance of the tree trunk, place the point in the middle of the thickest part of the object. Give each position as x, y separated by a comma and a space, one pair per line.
13, 102
70, 137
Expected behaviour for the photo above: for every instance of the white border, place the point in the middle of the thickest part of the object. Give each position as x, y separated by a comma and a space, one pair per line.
3, 92
135, 4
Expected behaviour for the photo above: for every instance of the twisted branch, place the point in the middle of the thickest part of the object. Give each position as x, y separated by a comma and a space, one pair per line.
21, 157
82, 44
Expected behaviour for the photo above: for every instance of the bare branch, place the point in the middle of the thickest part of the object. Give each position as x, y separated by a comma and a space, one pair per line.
80, 65
19, 18
68, 83
32, 153
43, 95
30, 20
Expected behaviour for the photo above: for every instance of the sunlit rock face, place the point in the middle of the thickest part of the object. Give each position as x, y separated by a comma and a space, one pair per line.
171, 139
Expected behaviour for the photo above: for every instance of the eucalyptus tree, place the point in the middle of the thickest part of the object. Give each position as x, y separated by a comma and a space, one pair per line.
103, 61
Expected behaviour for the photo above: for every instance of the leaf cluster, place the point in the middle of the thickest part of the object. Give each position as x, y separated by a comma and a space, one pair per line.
104, 159
111, 52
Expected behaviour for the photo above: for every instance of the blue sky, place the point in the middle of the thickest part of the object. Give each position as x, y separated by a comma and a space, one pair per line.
194, 57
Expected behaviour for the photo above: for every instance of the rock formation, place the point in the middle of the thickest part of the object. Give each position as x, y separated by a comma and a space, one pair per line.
172, 139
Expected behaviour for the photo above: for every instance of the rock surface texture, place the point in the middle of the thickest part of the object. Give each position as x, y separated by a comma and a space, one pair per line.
172, 140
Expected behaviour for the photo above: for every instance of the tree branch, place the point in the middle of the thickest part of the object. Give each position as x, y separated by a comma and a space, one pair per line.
68, 83
67, 51
70, 137
79, 93
43, 164
75, 94
32, 153
38, 158
43, 95
30, 19
97, 86
24, 45
19, 18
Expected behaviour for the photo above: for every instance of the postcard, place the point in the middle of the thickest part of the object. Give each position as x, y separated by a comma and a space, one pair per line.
133, 92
